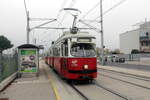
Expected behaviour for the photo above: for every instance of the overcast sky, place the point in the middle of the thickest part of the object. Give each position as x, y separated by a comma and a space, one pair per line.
117, 21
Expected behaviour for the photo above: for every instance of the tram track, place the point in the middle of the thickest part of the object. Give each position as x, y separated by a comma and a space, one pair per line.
127, 89
79, 92
104, 92
125, 81
112, 91
127, 75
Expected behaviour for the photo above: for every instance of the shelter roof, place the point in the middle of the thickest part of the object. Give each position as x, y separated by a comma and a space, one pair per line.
28, 46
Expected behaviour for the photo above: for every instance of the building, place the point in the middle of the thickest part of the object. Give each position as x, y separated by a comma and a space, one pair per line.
136, 39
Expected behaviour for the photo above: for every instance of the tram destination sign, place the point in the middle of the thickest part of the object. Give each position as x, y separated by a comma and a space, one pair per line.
84, 40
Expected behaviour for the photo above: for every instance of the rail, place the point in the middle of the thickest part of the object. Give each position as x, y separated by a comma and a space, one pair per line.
79, 92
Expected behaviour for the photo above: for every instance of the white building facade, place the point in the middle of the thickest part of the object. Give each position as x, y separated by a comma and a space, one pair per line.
136, 39
129, 41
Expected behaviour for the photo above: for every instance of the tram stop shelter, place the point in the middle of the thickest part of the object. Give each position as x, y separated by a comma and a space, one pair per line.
28, 59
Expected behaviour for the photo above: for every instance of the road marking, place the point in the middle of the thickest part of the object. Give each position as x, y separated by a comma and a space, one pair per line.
53, 86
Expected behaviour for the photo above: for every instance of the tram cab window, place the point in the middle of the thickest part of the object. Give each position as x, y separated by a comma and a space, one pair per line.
82, 50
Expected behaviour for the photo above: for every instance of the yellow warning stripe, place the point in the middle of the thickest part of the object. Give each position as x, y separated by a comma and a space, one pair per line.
53, 86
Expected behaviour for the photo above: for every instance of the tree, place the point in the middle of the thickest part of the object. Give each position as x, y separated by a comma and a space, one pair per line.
98, 51
135, 51
116, 51
4, 44
106, 51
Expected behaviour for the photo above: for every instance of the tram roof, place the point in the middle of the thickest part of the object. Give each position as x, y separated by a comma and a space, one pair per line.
67, 35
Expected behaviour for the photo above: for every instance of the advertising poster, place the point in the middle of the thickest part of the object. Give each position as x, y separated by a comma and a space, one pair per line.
28, 60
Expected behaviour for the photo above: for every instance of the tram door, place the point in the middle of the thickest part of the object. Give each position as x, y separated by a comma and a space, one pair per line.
64, 48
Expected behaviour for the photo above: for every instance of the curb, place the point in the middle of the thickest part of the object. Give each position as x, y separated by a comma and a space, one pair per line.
126, 73
7, 81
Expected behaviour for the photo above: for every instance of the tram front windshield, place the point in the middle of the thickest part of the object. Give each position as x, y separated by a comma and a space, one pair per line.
82, 50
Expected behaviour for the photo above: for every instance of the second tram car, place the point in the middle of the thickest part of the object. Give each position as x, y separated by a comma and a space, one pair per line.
73, 56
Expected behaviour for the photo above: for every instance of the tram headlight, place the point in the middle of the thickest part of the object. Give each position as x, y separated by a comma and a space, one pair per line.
86, 66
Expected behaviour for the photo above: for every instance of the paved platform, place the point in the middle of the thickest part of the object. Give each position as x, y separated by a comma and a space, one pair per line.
63, 90
126, 70
48, 86
30, 88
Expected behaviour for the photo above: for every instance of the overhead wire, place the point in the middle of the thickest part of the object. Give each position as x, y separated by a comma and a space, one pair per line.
44, 36
110, 9
63, 3
71, 5
60, 22
89, 11
113, 7
96, 5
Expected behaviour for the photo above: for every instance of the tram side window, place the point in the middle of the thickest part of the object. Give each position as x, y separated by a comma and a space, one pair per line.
66, 50
62, 49
50, 53
66, 47
56, 51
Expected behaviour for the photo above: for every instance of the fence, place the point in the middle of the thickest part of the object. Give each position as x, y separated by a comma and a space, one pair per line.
130, 57
8, 65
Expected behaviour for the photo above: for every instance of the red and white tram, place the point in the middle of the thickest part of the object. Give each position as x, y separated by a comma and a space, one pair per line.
73, 56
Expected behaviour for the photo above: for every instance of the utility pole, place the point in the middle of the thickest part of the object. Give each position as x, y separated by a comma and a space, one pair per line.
102, 36
28, 28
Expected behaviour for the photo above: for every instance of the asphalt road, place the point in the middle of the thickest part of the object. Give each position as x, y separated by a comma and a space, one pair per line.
130, 66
